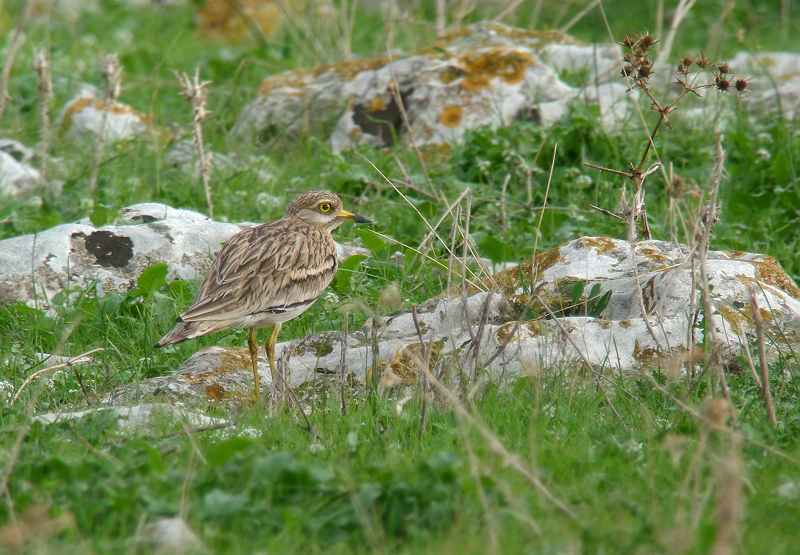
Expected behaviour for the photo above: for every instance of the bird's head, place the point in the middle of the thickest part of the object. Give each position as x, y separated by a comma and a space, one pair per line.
321, 209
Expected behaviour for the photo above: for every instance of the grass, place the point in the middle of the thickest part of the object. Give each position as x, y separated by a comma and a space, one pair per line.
649, 479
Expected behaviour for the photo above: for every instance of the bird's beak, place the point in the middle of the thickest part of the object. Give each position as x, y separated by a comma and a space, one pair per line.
355, 218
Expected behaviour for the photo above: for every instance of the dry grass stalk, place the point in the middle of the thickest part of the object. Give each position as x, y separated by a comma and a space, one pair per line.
44, 87
535, 278
111, 72
750, 364
80, 359
762, 357
709, 218
684, 6
279, 388
719, 415
11, 54
195, 92
342, 365
475, 472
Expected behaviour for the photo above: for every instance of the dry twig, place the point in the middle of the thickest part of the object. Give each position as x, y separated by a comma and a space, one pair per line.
195, 93
762, 357
44, 86
111, 72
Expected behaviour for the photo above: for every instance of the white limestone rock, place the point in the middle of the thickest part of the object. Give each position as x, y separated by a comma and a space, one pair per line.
82, 117
18, 178
141, 419
773, 82
619, 339
484, 75
34, 268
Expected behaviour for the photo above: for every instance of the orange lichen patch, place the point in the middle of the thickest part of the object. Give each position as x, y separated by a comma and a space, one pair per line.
508, 329
652, 254
733, 317
530, 38
350, 70
451, 116
436, 152
643, 355
81, 104
531, 271
299, 79
376, 104
451, 74
405, 363
605, 324
480, 68
626, 323
770, 272
735, 254
355, 134
220, 19
216, 392
600, 244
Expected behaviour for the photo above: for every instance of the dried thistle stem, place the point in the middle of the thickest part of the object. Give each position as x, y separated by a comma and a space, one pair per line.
714, 362
195, 92
41, 63
762, 356
111, 72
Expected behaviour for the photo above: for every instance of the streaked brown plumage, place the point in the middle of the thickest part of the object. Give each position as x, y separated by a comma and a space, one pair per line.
268, 274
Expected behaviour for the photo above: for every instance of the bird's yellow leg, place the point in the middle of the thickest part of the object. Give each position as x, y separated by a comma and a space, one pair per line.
252, 343
273, 338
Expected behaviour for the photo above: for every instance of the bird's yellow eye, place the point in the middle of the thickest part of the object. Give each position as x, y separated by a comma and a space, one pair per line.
324, 207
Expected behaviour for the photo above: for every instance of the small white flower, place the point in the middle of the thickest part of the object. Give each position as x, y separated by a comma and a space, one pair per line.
763, 155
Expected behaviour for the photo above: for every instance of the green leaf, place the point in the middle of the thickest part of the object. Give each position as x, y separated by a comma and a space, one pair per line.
375, 244
105, 215
594, 293
151, 280
577, 292
221, 503
602, 303
223, 452
428, 209
497, 250
347, 270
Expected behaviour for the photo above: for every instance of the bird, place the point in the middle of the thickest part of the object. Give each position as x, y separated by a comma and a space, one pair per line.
268, 274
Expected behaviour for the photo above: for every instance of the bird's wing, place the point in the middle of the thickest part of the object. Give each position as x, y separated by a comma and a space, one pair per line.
266, 269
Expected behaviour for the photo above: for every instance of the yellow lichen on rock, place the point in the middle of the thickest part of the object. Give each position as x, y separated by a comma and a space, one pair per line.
481, 67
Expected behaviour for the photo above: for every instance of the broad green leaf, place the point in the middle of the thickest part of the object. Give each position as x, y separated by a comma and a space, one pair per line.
223, 452
105, 215
577, 292
375, 244
152, 279
346, 271
497, 250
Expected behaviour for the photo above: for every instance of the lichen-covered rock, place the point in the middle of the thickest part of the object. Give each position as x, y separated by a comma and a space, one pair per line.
139, 419
485, 74
83, 116
34, 268
17, 177
483, 329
